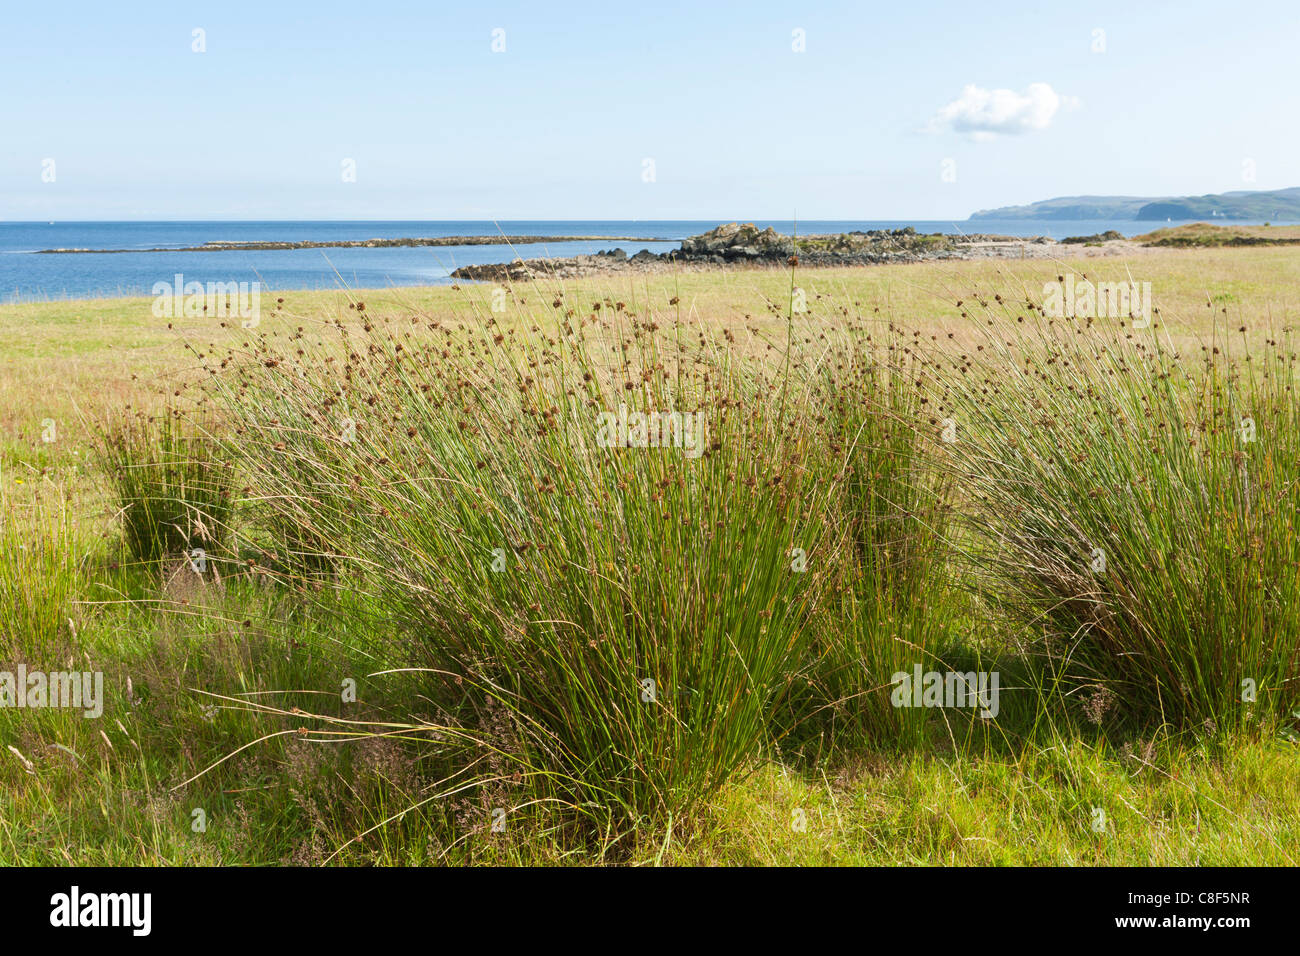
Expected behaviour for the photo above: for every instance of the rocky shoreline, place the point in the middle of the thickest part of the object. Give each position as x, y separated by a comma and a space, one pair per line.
729, 246
736, 245
241, 245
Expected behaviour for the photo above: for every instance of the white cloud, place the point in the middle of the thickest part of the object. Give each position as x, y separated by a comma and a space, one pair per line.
985, 114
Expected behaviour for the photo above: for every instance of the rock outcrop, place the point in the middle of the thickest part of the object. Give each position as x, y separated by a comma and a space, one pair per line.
736, 244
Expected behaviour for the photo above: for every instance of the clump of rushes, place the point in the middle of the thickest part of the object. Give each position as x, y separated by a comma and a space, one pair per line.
174, 492
620, 622
40, 567
1136, 508
890, 602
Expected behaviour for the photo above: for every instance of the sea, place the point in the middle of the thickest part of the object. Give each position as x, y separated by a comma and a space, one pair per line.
26, 276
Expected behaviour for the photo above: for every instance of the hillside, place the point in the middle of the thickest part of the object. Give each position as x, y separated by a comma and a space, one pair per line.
1280, 204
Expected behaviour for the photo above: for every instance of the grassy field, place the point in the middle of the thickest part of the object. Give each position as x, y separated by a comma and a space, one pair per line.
431, 600
1209, 235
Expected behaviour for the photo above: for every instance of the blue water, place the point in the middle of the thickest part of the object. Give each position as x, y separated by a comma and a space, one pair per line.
28, 277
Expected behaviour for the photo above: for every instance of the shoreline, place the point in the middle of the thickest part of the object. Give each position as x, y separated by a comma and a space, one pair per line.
736, 246
615, 262
598, 266
729, 246
258, 245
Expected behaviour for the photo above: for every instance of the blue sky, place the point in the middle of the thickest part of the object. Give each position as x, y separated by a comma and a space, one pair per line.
1186, 98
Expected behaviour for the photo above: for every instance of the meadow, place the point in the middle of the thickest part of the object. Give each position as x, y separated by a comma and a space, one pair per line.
368, 585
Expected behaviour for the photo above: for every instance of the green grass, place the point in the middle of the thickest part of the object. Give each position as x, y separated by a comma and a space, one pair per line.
612, 626
1138, 509
42, 570
363, 685
174, 492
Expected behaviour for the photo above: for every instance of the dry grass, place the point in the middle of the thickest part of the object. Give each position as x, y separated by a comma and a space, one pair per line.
1208, 234
64, 356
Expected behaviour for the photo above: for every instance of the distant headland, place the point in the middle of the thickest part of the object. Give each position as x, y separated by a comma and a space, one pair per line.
1275, 206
